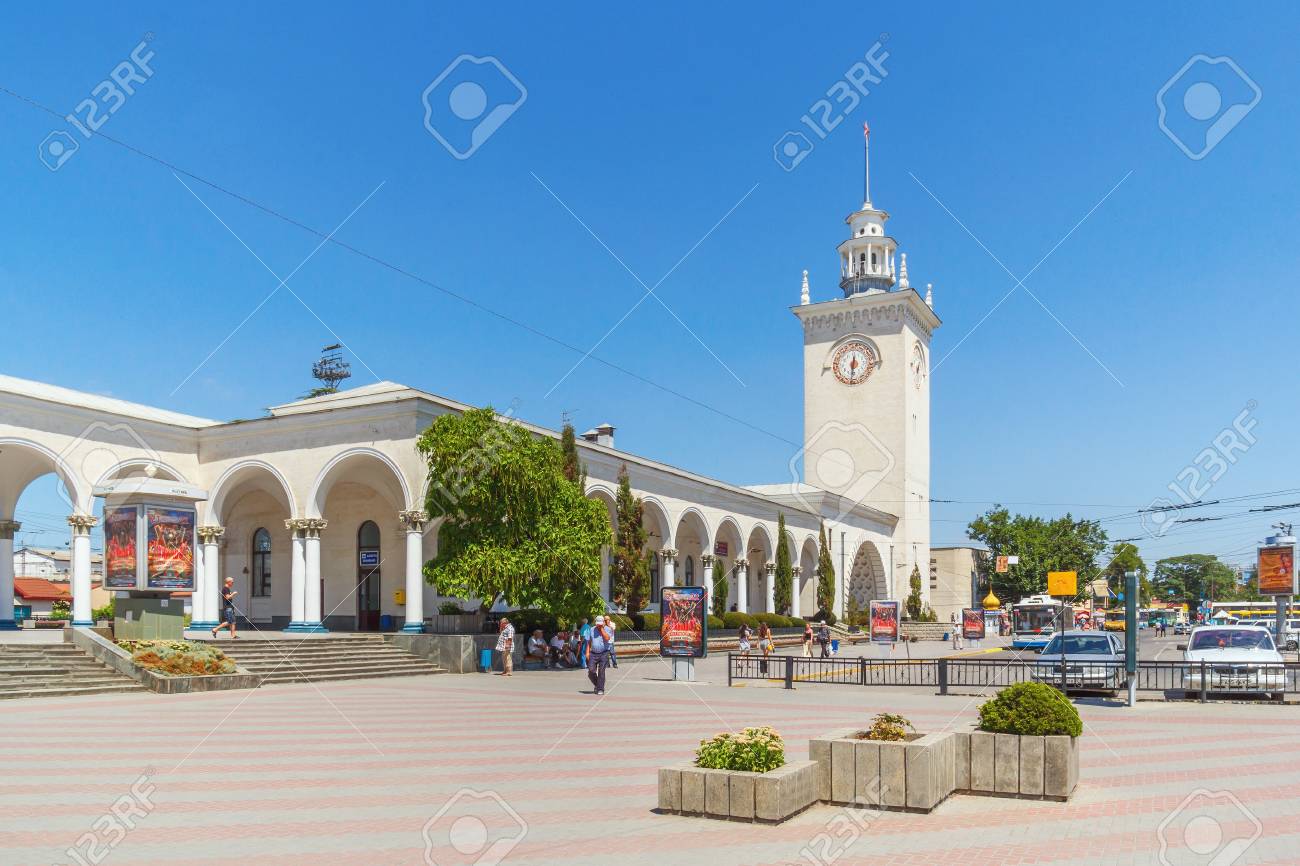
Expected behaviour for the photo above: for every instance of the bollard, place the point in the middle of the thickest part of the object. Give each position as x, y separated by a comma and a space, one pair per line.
943, 676
789, 672
728, 670
1205, 685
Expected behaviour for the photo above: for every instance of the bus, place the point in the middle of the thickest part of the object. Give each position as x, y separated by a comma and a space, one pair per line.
1246, 612
1115, 621
1035, 619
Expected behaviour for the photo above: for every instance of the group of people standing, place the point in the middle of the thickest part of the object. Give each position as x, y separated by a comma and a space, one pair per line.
822, 635
591, 645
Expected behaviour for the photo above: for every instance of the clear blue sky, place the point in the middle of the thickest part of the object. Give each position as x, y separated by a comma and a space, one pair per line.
651, 123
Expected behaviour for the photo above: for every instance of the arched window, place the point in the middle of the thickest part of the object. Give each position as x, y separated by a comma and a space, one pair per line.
690, 572
261, 566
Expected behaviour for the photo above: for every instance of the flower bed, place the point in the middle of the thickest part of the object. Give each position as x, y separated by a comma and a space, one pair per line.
178, 658
743, 776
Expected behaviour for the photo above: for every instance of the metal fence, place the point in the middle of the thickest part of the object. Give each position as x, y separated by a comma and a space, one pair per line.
1197, 680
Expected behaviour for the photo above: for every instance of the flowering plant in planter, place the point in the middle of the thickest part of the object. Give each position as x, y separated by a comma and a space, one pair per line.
755, 750
889, 727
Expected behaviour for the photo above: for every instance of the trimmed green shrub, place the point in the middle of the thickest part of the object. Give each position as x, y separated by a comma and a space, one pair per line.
773, 620
650, 622
825, 616
733, 619
716, 622
178, 657
796, 622
755, 750
105, 612
622, 622
61, 610
1030, 709
889, 727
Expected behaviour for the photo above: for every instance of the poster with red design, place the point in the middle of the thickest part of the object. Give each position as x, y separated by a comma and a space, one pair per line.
170, 546
972, 623
121, 562
884, 621
683, 624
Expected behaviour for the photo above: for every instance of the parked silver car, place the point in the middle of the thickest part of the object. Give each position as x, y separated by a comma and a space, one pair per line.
1094, 661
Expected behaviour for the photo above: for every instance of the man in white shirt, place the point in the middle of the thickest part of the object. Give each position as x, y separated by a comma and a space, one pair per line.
537, 647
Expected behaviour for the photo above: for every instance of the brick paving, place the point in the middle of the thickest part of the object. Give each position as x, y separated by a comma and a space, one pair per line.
352, 772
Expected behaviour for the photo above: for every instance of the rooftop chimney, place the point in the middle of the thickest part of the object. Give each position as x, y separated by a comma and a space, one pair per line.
601, 434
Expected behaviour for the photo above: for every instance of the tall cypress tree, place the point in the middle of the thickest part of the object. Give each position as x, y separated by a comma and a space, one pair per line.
573, 468
825, 574
784, 575
631, 561
720, 587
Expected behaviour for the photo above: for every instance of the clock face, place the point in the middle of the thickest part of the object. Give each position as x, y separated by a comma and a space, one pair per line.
919, 369
853, 362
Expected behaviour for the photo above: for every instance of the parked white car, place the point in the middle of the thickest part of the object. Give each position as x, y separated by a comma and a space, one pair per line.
1094, 661
1238, 658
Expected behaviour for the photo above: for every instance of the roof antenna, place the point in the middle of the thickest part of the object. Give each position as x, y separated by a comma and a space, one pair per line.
330, 369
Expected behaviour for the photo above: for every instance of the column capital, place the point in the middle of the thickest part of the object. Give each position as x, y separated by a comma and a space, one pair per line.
669, 553
210, 533
82, 523
413, 519
796, 570
706, 560
8, 528
769, 568
307, 527
742, 565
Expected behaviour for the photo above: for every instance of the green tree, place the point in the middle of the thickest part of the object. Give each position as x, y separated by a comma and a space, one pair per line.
825, 573
720, 588
631, 571
1060, 544
1192, 577
1123, 559
914, 607
573, 468
514, 526
784, 575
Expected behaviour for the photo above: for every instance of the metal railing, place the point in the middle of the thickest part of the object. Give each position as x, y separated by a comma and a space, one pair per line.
1197, 680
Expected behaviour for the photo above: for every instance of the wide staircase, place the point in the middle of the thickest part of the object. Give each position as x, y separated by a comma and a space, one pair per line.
56, 670
317, 659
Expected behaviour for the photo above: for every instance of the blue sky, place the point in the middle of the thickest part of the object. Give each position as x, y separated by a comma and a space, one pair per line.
1036, 127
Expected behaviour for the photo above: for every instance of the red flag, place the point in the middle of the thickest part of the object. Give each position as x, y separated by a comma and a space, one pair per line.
866, 130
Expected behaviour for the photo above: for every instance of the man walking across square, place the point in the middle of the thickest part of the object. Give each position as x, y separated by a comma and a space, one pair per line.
598, 655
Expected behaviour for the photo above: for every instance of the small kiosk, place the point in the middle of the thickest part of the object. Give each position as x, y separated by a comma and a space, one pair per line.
149, 553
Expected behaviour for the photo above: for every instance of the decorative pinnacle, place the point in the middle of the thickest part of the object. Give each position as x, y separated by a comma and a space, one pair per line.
803, 292
929, 295
902, 272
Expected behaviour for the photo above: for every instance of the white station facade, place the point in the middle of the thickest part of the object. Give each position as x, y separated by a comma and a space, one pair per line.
316, 509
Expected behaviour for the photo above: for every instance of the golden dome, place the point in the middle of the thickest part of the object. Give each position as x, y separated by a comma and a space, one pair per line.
991, 601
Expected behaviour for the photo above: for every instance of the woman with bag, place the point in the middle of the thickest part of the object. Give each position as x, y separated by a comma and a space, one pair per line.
807, 640
764, 645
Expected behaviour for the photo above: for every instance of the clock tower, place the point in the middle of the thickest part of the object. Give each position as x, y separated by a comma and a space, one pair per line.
867, 391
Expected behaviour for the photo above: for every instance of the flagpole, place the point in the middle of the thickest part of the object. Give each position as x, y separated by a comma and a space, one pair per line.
866, 165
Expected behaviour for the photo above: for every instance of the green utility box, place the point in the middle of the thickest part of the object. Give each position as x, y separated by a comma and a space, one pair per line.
148, 616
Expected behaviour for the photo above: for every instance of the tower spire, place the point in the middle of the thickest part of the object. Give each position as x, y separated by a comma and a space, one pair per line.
803, 290
902, 272
866, 165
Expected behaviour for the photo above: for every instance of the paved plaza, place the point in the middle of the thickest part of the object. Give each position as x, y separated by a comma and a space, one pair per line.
362, 772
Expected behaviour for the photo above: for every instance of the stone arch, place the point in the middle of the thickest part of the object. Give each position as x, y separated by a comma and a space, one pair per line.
256, 474
759, 551
22, 461
807, 588
692, 542
351, 465
728, 533
867, 579
655, 518
606, 495
137, 466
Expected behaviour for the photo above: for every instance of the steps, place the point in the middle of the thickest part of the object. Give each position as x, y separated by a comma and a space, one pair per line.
56, 670
319, 659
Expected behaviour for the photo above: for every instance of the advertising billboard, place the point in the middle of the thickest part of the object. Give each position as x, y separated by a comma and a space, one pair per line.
170, 545
121, 548
972, 623
1277, 570
683, 622
884, 621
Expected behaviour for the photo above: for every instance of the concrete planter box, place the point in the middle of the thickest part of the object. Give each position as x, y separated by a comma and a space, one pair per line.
1010, 765
912, 775
770, 797
112, 655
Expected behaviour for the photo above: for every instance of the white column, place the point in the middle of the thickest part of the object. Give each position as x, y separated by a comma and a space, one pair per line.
311, 581
297, 575
207, 584
668, 576
81, 525
706, 579
794, 591
414, 522
7, 530
742, 585
769, 572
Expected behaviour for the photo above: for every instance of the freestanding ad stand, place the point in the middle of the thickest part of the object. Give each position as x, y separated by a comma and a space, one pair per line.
683, 628
149, 553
